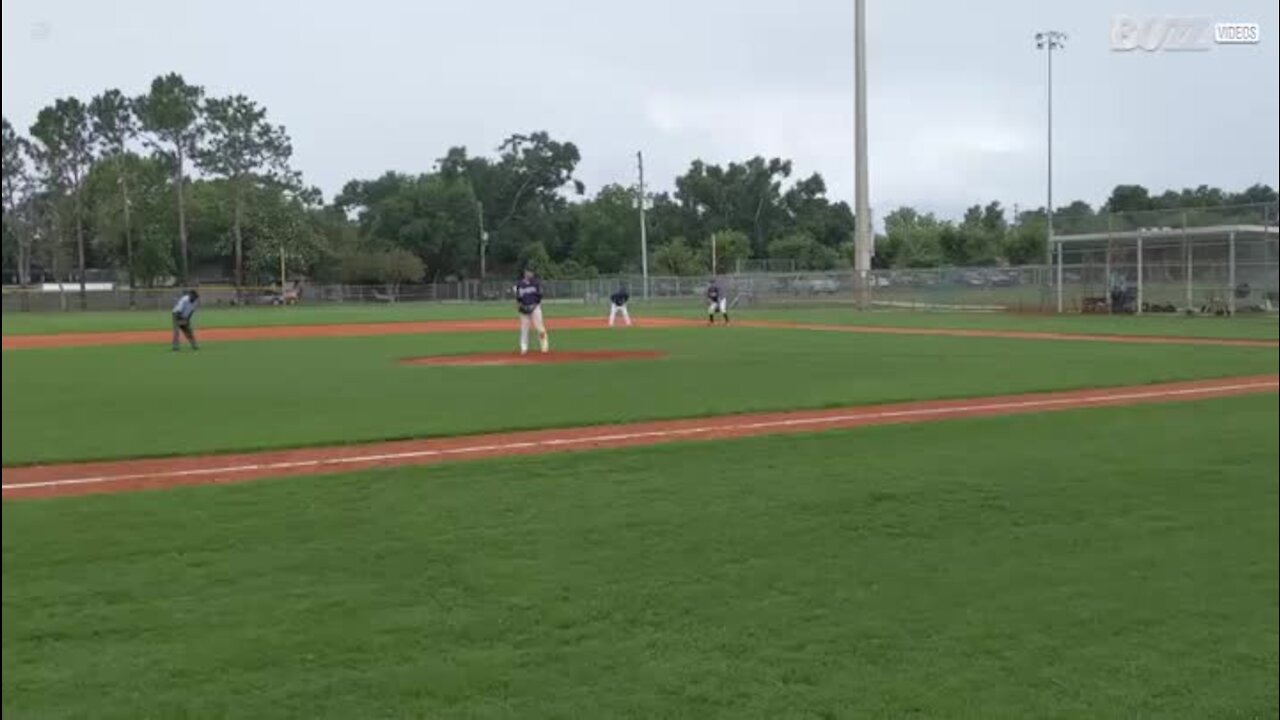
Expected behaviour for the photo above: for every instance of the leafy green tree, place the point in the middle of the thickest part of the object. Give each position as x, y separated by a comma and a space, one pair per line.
208, 215
402, 266
811, 212
114, 127
1025, 242
432, 215
171, 113
666, 220
608, 230
1129, 198
284, 230
522, 192
743, 196
1257, 193
808, 253
244, 148
911, 240
16, 186
953, 243
14, 166
979, 238
731, 246
391, 268
444, 232
66, 145
535, 257
146, 251
677, 258
1077, 217
571, 269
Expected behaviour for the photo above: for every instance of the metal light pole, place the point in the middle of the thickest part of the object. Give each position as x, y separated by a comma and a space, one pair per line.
644, 228
1050, 40
862, 204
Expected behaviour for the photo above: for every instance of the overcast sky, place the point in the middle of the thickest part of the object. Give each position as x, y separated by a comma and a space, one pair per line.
957, 90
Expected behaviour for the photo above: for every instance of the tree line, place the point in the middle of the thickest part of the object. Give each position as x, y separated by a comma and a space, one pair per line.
127, 182
172, 184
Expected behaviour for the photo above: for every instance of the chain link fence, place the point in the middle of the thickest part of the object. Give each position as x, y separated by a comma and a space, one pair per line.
1089, 283
1218, 260
960, 289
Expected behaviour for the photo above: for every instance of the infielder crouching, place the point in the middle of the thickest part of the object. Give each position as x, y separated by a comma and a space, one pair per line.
183, 311
718, 303
618, 305
529, 305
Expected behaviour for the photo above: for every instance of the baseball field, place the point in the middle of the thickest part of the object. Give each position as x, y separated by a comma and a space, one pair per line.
357, 512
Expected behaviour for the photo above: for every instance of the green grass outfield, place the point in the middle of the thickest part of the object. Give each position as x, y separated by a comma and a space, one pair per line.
67, 322
1108, 563
131, 401
1258, 327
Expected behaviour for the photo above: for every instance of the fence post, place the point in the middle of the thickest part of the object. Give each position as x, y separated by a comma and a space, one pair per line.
1138, 310
1106, 280
1231, 272
1059, 274
1188, 252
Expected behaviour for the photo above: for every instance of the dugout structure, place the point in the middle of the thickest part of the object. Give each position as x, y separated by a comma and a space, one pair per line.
1219, 261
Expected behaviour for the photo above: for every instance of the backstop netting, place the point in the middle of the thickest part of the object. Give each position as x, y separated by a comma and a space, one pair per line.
1219, 261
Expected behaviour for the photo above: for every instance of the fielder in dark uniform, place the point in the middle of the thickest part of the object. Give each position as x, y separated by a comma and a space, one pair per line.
618, 305
717, 303
183, 311
529, 305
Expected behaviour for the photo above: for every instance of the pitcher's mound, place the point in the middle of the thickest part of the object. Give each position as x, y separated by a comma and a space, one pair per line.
535, 358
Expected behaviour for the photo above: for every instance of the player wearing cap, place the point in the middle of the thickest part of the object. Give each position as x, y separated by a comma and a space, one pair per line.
529, 305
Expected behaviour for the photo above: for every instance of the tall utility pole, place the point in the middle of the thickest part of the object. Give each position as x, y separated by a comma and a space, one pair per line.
484, 236
1050, 40
862, 238
644, 228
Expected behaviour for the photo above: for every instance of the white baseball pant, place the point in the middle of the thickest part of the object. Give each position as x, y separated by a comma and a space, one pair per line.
533, 319
615, 311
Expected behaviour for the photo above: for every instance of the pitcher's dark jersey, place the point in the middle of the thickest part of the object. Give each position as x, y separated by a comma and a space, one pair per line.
528, 295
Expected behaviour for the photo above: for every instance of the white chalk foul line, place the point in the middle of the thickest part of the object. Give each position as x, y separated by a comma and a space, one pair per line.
1119, 397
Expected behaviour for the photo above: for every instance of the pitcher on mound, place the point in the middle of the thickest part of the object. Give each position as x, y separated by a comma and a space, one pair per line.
529, 305
618, 305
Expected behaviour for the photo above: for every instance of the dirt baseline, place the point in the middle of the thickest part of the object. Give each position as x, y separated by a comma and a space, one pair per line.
533, 358
125, 475
291, 332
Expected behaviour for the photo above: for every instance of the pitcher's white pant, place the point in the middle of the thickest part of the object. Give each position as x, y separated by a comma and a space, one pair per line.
615, 310
718, 306
535, 319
